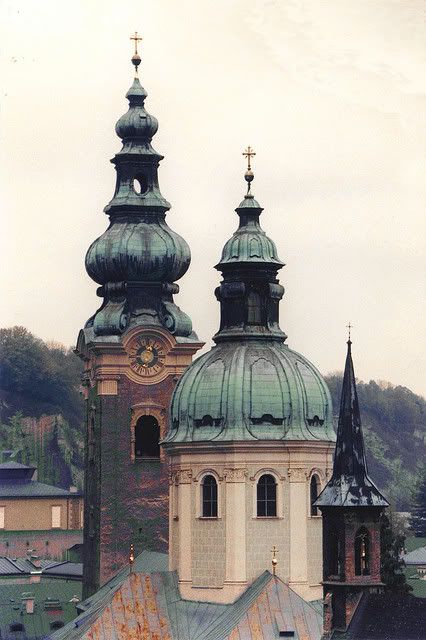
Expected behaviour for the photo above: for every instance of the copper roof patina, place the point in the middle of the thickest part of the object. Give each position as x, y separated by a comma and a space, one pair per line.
147, 606
251, 385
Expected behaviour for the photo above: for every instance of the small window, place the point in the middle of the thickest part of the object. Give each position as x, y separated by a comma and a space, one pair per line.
57, 624
56, 517
254, 312
16, 626
209, 497
314, 492
147, 437
362, 552
2, 511
266, 496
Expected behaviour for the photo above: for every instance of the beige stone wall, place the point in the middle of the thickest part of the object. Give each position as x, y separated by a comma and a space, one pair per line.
217, 559
263, 533
36, 514
208, 547
315, 551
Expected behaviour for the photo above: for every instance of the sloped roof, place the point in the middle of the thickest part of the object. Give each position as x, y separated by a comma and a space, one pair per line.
418, 556
24, 566
387, 617
149, 605
32, 489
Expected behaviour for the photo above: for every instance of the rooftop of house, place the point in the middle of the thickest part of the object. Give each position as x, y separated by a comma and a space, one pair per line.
416, 557
54, 606
147, 601
17, 481
20, 567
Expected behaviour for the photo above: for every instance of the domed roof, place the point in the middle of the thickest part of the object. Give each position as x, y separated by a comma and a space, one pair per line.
254, 390
249, 242
138, 251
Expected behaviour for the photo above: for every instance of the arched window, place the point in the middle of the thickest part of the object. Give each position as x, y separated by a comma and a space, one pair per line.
333, 563
254, 312
147, 436
266, 496
314, 492
362, 552
209, 497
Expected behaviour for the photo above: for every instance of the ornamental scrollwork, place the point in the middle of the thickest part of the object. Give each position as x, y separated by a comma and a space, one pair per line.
298, 474
235, 475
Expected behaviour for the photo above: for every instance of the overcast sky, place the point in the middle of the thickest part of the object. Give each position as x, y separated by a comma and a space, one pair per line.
330, 93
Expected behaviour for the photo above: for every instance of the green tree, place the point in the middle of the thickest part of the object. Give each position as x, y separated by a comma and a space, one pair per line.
392, 538
418, 511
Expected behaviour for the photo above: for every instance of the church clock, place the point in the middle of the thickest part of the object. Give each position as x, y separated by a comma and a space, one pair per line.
147, 354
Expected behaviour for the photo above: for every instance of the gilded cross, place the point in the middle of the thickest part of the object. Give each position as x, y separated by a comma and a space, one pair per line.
131, 557
248, 153
274, 552
349, 327
137, 39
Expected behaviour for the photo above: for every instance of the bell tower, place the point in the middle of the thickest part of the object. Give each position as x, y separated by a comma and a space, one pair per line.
135, 348
351, 506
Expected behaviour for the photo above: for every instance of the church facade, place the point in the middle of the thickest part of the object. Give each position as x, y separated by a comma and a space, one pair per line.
226, 461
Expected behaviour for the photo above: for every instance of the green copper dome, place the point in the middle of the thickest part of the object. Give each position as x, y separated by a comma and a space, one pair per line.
251, 385
249, 243
138, 259
252, 390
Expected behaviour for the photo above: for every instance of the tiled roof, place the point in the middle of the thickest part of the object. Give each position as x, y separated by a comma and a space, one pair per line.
418, 556
32, 490
149, 605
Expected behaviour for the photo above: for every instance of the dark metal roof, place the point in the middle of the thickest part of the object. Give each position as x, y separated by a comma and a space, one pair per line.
12, 470
25, 566
31, 489
350, 485
149, 605
387, 617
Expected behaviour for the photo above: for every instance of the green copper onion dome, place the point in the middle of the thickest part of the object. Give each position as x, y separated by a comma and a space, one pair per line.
138, 259
250, 385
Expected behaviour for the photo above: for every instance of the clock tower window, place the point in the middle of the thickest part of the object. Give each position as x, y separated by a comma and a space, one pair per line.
147, 437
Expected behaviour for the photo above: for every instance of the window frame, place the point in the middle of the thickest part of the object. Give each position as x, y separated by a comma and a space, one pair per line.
52, 507
276, 515
211, 501
144, 457
199, 494
317, 514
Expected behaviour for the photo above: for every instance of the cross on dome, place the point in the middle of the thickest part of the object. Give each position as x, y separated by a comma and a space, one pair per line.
136, 59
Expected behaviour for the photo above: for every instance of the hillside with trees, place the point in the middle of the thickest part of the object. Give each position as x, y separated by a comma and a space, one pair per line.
41, 417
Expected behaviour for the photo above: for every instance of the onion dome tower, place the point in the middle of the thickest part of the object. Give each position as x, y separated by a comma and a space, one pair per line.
250, 436
134, 347
351, 506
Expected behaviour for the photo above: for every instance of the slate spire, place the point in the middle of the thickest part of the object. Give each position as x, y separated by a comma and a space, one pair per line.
349, 484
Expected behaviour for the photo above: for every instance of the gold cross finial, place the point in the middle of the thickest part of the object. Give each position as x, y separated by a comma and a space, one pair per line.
131, 557
274, 552
349, 327
136, 59
248, 153
137, 39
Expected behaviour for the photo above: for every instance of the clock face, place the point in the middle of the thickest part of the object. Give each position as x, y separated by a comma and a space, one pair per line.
147, 354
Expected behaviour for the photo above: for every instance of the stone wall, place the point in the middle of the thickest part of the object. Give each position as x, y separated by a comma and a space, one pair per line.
46, 544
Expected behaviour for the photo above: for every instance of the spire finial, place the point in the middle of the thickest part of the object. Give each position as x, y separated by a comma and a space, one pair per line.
131, 557
274, 552
136, 59
349, 327
248, 176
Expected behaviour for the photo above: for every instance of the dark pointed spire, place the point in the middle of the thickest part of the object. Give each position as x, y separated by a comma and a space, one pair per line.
350, 485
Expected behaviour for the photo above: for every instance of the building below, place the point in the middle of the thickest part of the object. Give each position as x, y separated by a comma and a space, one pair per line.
37, 597
26, 504
36, 516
